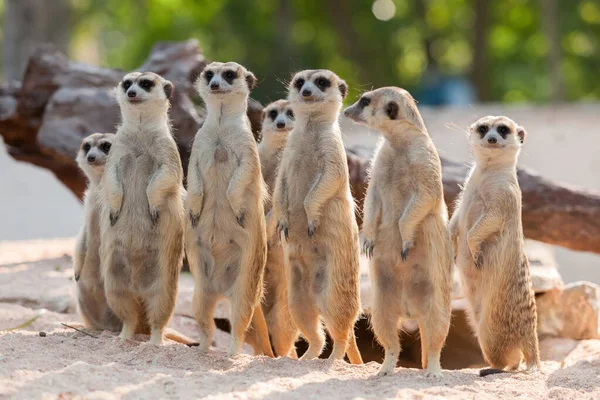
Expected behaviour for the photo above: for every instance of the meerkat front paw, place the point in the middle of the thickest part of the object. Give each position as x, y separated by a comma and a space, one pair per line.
368, 246
406, 249
113, 215
282, 226
154, 215
194, 218
77, 276
312, 227
478, 258
241, 216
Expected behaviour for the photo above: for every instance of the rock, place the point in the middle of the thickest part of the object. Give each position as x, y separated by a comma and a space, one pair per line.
556, 349
570, 313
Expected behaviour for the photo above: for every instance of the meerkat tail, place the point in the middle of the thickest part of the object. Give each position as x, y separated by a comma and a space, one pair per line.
175, 336
352, 351
259, 323
491, 371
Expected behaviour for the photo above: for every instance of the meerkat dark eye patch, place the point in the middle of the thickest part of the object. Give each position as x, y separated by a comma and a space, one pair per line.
364, 102
503, 130
105, 147
482, 130
229, 76
290, 114
322, 83
86, 147
392, 110
208, 75
126, 85
146, 84
299, 83
273, 114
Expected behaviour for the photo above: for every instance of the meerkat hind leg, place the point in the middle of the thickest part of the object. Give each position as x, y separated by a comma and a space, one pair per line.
126, 307
242, 313
204, 304
262, 332
433, 333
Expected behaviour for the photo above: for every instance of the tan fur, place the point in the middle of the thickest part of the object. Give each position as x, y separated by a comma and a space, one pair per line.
314, 209
226, 240
142, 214
488, 236
91, 300
405, 228
278, 121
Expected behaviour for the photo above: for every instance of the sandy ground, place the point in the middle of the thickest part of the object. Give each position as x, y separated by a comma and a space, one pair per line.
66, 364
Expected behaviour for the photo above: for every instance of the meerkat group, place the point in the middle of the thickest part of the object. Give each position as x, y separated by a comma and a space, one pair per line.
271, 228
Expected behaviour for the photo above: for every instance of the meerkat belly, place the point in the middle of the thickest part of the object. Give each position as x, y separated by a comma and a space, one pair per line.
136, 172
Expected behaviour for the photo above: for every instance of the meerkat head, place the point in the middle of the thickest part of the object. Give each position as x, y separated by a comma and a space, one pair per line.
496, 137
225, 81
386, 108
93, 153
317, 90
144, 92
278, 119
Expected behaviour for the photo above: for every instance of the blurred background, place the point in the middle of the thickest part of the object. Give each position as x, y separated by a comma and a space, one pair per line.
486, 56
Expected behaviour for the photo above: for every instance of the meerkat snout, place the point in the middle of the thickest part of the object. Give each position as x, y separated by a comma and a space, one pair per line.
490, 133
140, 87
221, 78
279, 117
93, 153
311, 87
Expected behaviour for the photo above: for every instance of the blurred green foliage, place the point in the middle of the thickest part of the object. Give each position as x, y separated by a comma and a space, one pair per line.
276, 37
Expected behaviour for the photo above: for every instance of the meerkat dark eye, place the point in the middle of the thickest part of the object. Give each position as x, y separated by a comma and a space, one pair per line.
503, 130
209, 75
299, 83
323, 83
146, 84
482, 129
290, 114
105, 147
364, 102
229, 76
126, 85
273, 114
86, 147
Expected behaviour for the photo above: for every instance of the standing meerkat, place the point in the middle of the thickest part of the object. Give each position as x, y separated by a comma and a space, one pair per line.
91, 300
226, 240
487, 233
314, 211
143, 217
405, 228
278, 121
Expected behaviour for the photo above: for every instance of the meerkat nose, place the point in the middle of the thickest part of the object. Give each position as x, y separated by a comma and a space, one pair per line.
131, 93
91, 158
492, 140
281, 125
306, 93
214, 86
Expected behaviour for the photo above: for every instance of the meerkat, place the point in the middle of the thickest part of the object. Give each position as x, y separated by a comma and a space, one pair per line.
142, 218
487, 233
226, 240
314, 210
405, 232
91, 301
278, 121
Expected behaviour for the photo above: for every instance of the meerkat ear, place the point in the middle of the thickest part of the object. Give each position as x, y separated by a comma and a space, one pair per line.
250, 80
521, 132
392, 110
168, 88
343, 86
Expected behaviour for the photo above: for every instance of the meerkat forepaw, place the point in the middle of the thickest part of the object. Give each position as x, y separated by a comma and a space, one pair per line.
478, 257
406, 249
154, 215
241, 216
77, 276
282, 226
113, 215
194, 218
368, 246
312, 228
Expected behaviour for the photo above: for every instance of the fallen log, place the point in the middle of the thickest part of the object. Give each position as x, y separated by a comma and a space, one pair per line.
59, 102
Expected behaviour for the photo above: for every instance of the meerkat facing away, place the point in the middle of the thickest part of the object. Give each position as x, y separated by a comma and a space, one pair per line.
226, 241
91, 300
314, 211
142, 214
405, 227
487, 231
278, 121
